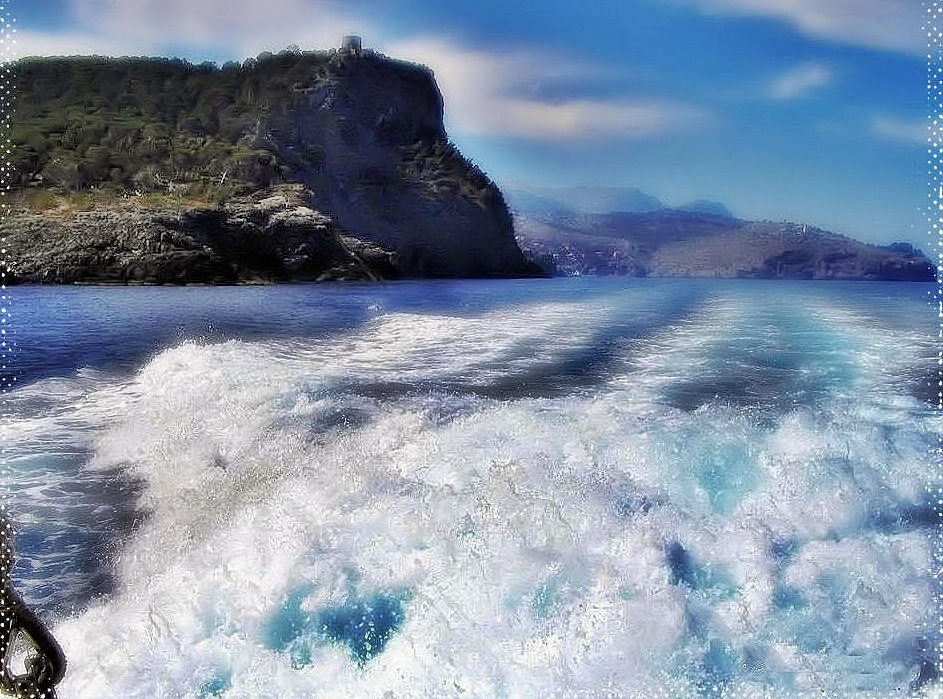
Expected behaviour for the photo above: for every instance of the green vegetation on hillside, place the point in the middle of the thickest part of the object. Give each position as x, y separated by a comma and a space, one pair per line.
151, 124
109, 151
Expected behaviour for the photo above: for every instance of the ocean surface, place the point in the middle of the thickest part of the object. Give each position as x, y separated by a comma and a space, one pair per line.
540, 488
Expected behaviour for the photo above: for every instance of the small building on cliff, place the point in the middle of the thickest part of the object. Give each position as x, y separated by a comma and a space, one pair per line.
352, 44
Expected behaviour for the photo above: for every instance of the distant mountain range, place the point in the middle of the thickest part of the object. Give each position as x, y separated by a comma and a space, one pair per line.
702, 239
580, 199
599, 200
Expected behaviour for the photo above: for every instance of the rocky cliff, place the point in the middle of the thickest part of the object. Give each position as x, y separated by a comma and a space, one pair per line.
367, 136
269, 237
287, 167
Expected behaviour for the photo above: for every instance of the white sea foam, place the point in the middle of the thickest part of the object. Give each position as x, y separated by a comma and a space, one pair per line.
613, 541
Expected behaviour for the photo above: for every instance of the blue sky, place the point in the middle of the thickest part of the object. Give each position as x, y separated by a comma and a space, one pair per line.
804, 110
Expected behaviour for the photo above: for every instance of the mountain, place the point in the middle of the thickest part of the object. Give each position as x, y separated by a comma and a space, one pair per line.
709, 208
677, 243
580, 199
131, 169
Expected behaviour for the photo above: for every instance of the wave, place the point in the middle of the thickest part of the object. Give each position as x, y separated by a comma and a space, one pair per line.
378, 511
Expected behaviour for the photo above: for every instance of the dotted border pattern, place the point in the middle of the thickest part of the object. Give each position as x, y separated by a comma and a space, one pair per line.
7, 380
934, 31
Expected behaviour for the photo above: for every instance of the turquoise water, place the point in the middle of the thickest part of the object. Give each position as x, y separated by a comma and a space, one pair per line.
569, 487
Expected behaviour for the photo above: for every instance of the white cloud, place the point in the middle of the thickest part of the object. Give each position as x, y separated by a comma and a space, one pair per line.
799, 81
914, 132
894, 25
492, 94
585, 119
204, 21
75, 44
208, 28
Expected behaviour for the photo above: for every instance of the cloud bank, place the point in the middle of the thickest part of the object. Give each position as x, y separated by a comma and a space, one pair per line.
211, 28
492, 94
893, 25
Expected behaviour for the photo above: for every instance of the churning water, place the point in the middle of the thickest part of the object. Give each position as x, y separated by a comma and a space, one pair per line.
557, 488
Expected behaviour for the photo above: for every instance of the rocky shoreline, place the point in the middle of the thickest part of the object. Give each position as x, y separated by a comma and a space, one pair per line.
273, 236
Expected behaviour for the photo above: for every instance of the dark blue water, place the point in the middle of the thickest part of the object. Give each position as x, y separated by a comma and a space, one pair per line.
60, 330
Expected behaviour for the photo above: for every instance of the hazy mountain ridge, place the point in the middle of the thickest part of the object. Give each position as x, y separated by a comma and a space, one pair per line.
678, 243
580, 199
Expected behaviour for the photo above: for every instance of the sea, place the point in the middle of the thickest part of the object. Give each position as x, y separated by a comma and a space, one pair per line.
578, 487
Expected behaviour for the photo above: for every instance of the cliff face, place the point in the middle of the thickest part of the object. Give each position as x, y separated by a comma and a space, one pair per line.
366, 135
358, 138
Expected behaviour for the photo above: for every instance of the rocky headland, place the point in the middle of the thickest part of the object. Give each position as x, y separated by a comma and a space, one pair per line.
290, 167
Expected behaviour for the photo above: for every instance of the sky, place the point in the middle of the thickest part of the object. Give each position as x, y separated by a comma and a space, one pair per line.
810, 111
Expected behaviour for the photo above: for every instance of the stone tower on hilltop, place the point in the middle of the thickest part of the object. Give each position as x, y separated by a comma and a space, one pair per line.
352, 44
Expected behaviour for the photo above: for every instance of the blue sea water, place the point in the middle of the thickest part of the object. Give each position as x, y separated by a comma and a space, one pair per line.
534, 488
